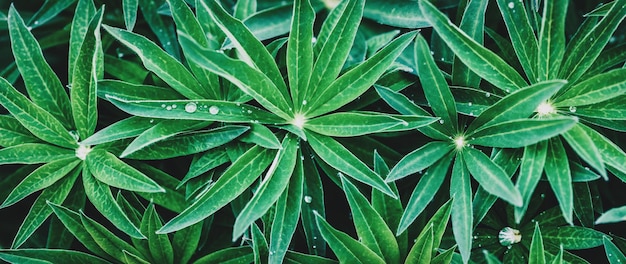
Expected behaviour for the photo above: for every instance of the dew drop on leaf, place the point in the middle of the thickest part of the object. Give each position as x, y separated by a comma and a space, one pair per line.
308, 199
163, 105
168, 108
572, 109
304, 102
511, 5
191, 107
214, 110
174, 106
469, 104
487, 94
441, 121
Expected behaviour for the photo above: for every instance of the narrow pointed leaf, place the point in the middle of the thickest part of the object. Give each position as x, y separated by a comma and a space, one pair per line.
342, 159
461, 211
34, 117
71, 220
85, 10
236, 179
33, 153
421, 252
356, 81
110, 243
42, 84
596, 89
491, 176
551, 39
272, 186
259, 245
560, 178
435, 86
346, 248
522, 35
612, 154
573, 237
531, 169
250, 80
231, 255
537, 255
370, 227
424, 192
300, 49
520, 104
125, 128
312, 188
100, 196
262, 136
159, 244
395, 13
159, 132
521, 132
132, 91
185, 242
130, 13
473, 23
419, 160
286, 215
350, 124
51, 256
612, 215
479, 59
158, 61
586, 148
613, 253
110, 170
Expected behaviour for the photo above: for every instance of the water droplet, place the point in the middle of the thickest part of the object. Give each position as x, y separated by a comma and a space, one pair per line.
163, 105
168, 43
151, 121
469, 104
249, 111
308, 199
572, 109
36, 22
29, 28
487, 94
441, 121
69, 86
405, 123
168, 108
174, 106
313, 40
191, 107
508, 91
214, 110
432, 52
119, 55
511, 5
304, 102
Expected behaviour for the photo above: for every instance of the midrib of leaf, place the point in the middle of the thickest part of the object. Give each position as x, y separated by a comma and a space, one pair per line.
300, 50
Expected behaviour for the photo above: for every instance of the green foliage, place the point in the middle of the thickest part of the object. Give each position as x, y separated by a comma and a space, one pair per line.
244, 131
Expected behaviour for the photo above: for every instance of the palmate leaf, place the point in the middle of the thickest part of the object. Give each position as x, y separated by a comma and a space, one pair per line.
435, 87
370, 226
162, 64
272, 186
48, 256
480, 60
491, 176
559, 175
236, 179
337, 156
520, 132
34, 118
522, 35
346, 248
87, 70
43, 86
356, 81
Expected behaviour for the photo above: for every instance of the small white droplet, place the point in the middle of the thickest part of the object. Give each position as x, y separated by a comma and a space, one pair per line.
308, 199
314, 40
249, 111
304, 102
508, 91
36, 22
191, 107
168, 43
214, 110
163, 105
511, 5
441, 121
487, 94
151, 121
29, 28
168, 108
119, 55
572, 109
174, 106
432, 52
469, 104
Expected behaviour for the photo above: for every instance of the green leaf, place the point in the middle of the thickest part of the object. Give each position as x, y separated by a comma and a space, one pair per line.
13, 133
159, 244
472, 23
100, 196
41, 178
33, 153
130, 258
596, 89
125, 128
286, 215
522, 35
42, 84
205, 162
39, 212
461, 193
35, 118
87, 65
435, 87
262, 136
586, 148
610, 113
613, 215
370, 226
395, 13
558, 259
536, 255
350, 124
613, 253
259, 245
346, 248
521, 132
49, 256
294, 257
185, 242
479, 59
491, 176
490, 258
236, 179
250, 80
337, 156
272, 186
271, 22
551, 39
531, 169
250, 49
583, 49
131, 91
162, 64
520, 104
560, 178
300, 48
421, 252
110, 170
419, 160
445, 257
313, 192
130, 13
159, 132
573, 237
356, 81
333, 46
110, 243
85, 11
612, 154
231, 255
72, 221
425, 191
